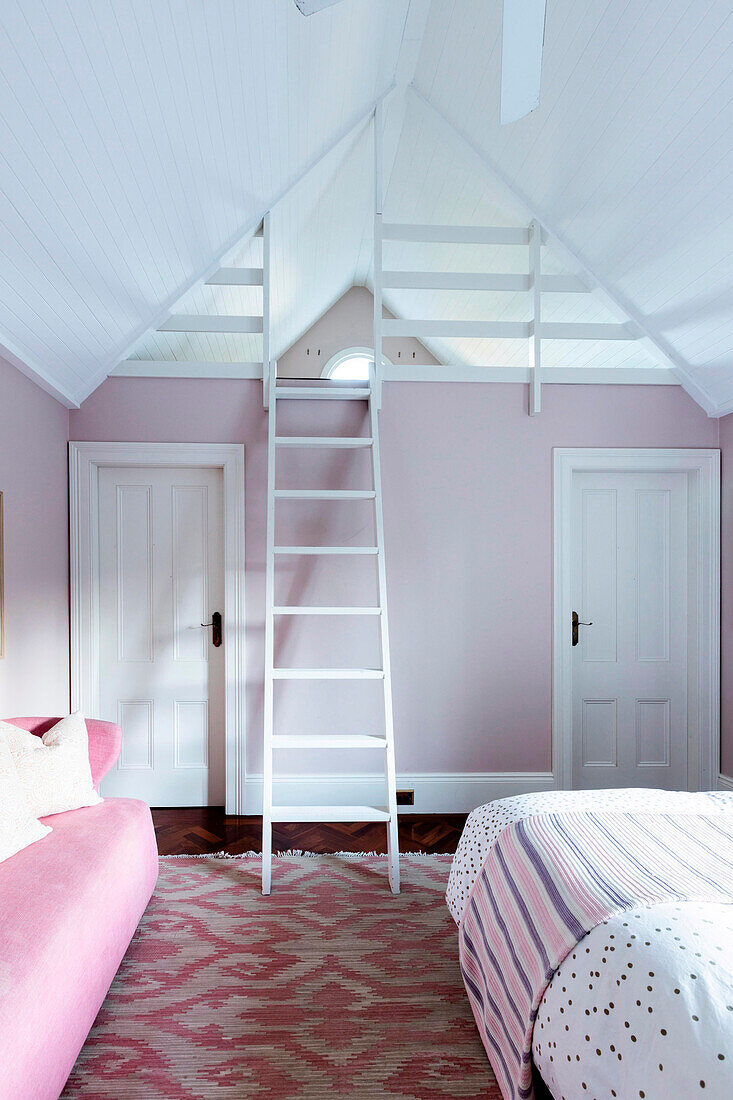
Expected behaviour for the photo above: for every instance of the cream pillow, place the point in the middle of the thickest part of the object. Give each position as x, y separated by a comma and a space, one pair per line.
54, 770
18, 827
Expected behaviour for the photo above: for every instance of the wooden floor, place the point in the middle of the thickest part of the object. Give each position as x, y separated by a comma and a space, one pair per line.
198, 831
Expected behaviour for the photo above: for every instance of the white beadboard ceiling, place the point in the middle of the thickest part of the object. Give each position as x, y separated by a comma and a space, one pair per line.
139, 141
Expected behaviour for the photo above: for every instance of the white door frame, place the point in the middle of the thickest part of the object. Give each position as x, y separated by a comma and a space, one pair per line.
85, 461
703, 470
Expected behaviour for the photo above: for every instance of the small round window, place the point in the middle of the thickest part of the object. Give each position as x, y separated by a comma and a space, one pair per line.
351, 365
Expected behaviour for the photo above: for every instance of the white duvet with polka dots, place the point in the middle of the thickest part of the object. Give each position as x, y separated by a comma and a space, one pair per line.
486, 822
643, 1008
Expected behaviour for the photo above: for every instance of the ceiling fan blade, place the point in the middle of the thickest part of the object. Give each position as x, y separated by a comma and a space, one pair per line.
522, 39
309, 7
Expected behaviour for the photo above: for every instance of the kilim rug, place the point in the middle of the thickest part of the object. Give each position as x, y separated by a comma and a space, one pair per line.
331, 987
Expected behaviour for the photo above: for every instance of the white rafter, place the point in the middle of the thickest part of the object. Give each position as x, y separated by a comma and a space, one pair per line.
25, 364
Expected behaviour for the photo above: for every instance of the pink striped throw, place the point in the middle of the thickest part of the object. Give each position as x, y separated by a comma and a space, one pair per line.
550, 879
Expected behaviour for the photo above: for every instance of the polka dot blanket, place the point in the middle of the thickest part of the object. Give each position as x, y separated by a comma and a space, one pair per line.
598, 947
643, 1008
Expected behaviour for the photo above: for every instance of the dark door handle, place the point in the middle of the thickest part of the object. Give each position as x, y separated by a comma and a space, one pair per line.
576, 623
215, 625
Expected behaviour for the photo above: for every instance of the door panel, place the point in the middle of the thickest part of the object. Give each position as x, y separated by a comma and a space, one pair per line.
161, 577
629, 668
600, 733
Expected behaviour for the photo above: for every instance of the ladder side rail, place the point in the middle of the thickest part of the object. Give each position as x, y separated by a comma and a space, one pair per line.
268, 710
393, 854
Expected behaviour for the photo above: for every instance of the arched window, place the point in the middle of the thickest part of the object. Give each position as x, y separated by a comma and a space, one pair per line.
351, 365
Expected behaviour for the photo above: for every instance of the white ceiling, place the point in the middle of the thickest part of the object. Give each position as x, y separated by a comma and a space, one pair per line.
137, 147
629, 157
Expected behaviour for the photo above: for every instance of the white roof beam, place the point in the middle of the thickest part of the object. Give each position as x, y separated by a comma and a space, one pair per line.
236, 276
404, 372
36, 373
456, 234
461, 372
494, 330
200, 322
578, 330
505, 330
476, 280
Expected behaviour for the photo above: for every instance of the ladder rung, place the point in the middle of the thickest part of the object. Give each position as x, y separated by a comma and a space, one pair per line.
294, 610
325, 494
328, 674
310, 550
323, 441
317, 393
328, 741
330, 813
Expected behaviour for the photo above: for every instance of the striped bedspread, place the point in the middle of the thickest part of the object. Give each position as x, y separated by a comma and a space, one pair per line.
550, 879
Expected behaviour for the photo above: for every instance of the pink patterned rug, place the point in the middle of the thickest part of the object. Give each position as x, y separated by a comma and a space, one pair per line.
331, 987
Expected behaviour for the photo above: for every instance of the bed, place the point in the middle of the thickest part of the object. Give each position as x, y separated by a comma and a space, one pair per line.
596, 941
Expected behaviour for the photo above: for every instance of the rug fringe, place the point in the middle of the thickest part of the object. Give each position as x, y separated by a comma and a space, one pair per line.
305, 854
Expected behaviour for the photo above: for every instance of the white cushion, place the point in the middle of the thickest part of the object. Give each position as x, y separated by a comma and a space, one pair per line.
54, 769
18, 826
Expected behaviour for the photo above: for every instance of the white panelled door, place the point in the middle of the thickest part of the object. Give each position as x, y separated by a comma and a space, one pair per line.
629, 577
161, 677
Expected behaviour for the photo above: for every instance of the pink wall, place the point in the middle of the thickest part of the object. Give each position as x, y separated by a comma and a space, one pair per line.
34, 676
348, 323
468, 520
726, 616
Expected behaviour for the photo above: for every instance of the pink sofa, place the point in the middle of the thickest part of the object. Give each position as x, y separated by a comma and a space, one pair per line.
69, 905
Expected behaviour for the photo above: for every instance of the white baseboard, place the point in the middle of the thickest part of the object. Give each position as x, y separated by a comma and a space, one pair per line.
435, 793
725, 783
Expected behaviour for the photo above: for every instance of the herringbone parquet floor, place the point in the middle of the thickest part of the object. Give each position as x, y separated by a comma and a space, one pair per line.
202, 830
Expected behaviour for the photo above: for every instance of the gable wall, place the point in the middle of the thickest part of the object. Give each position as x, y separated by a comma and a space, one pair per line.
348, 323
468, 521
468, 524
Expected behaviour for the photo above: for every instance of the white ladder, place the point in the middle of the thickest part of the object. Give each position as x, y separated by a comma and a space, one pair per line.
382, 744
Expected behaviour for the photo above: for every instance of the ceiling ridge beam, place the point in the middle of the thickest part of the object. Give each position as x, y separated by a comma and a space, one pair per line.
413, 32
653, 342
229, 248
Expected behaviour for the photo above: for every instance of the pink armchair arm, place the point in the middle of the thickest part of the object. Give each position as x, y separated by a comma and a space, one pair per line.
105, 741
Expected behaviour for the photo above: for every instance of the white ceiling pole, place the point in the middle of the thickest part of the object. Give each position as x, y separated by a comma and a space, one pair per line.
522, 39
651, 341
266, 336
535, 339
378, 202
